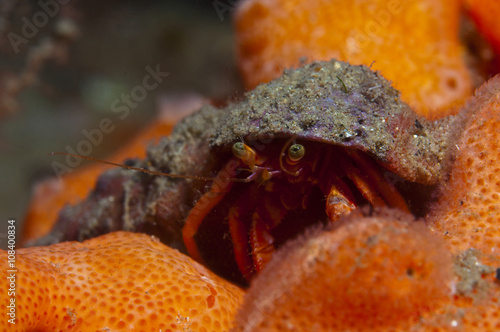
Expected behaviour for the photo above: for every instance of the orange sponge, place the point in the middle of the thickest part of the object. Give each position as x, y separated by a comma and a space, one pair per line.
117, 282
476, 304
468, 213
366, 274
412, 43
486, 14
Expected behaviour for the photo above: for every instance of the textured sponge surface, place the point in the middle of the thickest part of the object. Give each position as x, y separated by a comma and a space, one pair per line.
117, 282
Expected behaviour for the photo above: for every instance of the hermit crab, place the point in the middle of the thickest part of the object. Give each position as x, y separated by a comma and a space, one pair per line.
308, 147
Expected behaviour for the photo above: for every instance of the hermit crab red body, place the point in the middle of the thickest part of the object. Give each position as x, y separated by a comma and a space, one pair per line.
312, 145
309, 147
283, 180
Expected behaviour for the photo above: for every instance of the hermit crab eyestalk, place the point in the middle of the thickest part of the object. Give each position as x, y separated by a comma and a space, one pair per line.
296, 152
239, 149
245, 153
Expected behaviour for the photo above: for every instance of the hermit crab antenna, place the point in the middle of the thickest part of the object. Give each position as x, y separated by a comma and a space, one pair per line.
147, 171
282, 153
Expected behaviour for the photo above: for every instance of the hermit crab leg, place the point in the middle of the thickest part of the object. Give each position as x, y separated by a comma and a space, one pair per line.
262, 242
339, 201
385, 188
266, 217
221, 186
362, 182
253, 244
239, 237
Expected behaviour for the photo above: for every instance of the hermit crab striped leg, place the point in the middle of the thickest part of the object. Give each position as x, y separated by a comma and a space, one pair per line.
244, 156
239, 238
262, 242
253, 243
368, 180
362, 182
340, 201
380, 185
339, 198
221, 186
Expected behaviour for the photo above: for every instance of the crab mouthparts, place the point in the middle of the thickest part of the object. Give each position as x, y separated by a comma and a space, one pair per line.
262, 174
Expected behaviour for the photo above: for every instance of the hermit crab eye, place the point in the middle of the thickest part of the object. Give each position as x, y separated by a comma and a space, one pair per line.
245, 153
239, 150
296, 152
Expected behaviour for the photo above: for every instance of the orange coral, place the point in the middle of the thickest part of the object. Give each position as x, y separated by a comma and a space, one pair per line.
486, 14
397, 38
468, 213
368, 274
117, 282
